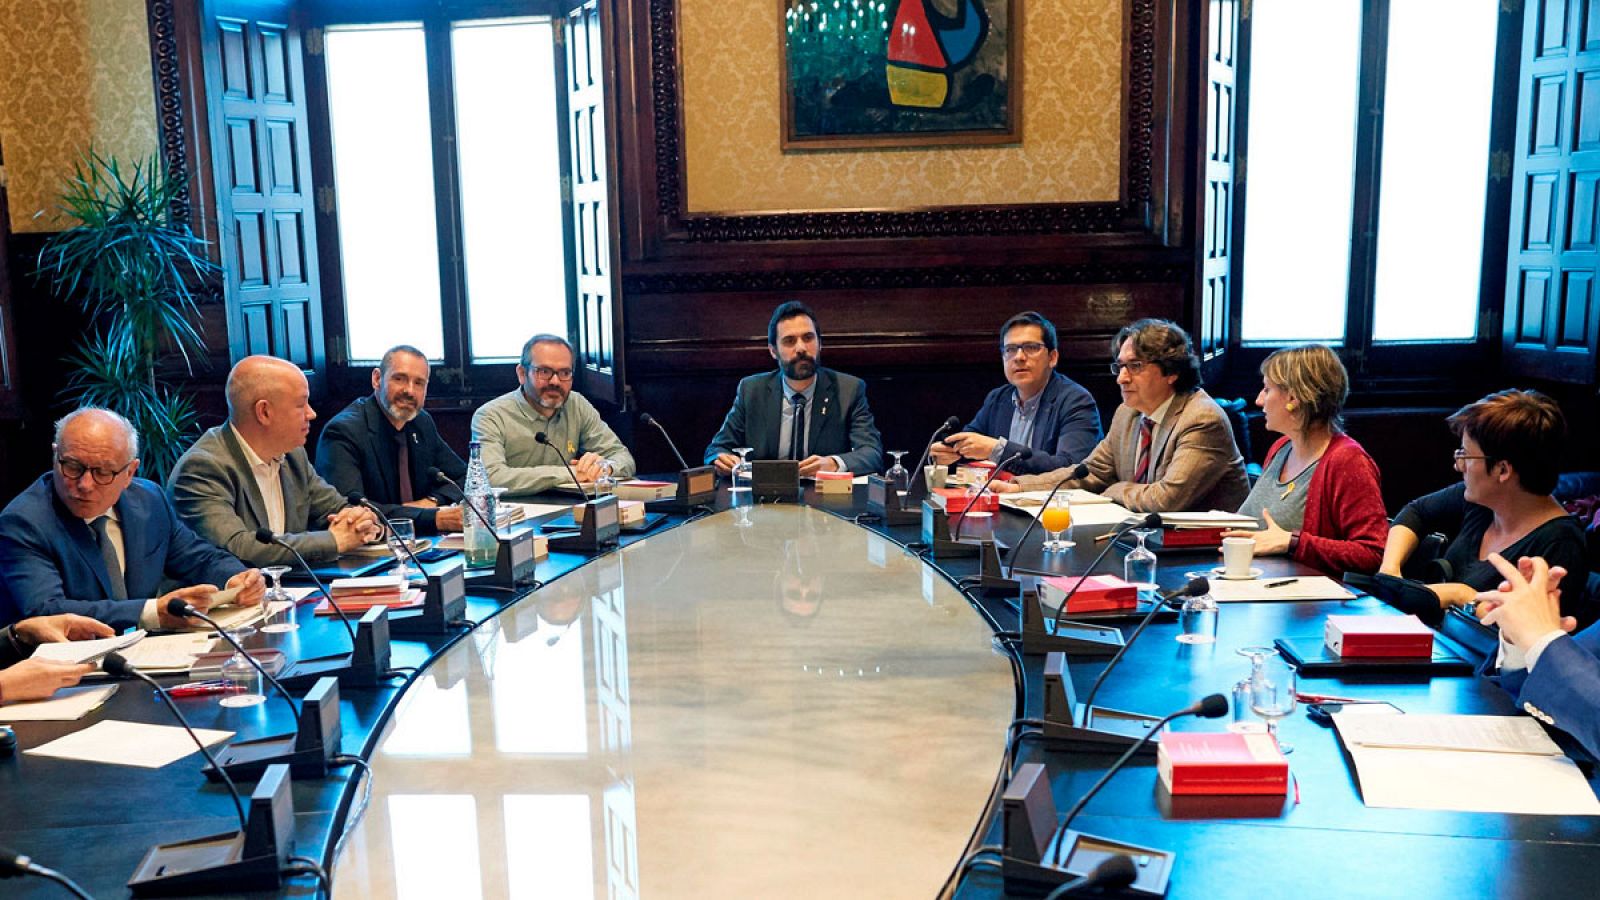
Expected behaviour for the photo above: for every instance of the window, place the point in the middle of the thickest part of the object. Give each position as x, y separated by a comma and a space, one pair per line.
446, 141
1364, 146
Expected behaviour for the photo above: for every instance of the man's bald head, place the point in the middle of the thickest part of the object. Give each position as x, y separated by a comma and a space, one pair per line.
98, 425
269, 404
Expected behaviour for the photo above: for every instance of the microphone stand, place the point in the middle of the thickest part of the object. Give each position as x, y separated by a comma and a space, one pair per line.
697, 485
651, 420
514, 562
1023, 453
542, 438
369, 646
355, 499
927, 451
1126, 527
1103, 729
245, 860
440, 609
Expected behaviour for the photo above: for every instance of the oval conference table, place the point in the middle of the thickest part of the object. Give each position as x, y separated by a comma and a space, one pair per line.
776, 700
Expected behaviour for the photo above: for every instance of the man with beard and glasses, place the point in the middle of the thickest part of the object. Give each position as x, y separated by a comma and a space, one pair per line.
544, 403
383, 445
802, 411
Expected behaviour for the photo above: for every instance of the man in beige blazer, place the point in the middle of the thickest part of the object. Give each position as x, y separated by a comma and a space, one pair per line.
253, 472
1169, 447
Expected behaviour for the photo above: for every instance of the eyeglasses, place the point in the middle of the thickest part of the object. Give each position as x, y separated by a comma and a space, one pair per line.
1031, 348
74, 470
545, 373
1461, 456
1134, 366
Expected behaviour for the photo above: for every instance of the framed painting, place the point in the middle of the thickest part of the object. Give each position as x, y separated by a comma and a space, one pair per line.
900, 73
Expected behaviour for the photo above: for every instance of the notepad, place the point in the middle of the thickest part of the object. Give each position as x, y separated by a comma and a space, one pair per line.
85, 651
67, 705
129, 744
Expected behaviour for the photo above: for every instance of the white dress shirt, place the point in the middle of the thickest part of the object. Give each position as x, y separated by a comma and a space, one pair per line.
268, 480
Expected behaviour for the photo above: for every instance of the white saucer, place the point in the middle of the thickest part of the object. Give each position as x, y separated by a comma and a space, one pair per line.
1217, 573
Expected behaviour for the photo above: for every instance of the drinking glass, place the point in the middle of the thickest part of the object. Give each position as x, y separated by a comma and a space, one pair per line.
1139, 566
1272, 694
245, 680
1197, 620
1244, 720
605, 484
281, 620
898, 476
403, 535
1055, 519
741, 470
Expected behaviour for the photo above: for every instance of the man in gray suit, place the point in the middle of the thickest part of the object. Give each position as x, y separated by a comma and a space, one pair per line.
836, 432
253, 472
1169, 447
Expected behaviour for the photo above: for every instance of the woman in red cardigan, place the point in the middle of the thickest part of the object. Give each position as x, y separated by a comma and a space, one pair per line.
1318, 493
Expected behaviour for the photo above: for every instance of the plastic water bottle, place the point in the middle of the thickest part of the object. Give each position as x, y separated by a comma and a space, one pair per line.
482, 544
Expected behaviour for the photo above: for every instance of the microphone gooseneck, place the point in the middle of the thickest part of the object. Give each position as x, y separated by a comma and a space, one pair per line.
13, 864
265, 536
1213, 706
542, 438
1194, 588
118, 665
1022, 453
1150, 520
949, 425
1113, 873
437, 476
177, 607
354, 498
651, 420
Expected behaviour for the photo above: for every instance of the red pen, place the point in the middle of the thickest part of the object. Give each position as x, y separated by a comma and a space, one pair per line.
1324, 698
200, 688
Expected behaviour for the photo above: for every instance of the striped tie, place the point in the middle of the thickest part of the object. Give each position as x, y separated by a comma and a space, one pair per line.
1146, 429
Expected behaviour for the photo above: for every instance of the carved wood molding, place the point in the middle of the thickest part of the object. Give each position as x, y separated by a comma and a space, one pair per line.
1041, 219
904, 279
169, 100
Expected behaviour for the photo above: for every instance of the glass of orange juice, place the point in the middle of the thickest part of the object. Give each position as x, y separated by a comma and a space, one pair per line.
1056, 518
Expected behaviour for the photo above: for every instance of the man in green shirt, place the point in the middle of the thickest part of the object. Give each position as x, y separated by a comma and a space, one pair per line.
544, 403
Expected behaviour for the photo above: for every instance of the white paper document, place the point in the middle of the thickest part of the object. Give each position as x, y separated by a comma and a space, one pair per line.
165, 653
129, 744
1303, 587
1464, 778
67, 705
84, 651
1216, 518
1093, 510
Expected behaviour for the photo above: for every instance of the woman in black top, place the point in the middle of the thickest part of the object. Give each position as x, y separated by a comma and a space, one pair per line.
1510, 442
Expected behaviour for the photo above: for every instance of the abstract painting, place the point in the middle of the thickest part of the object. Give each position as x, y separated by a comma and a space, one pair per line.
899, 73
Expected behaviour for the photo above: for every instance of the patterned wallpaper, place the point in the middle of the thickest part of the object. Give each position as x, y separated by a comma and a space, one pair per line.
1071, 120
73, 73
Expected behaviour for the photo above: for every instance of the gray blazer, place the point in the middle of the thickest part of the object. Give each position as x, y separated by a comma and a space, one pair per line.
1195, 464
215, 494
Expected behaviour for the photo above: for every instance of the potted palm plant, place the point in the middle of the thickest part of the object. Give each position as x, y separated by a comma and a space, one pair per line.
139, 273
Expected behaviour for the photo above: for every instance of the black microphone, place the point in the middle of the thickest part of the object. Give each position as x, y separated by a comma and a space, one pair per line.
354, 498
1078, 471
116, 664
1150, 520
436, 476
1113, 874
265, 536
1022, 453
13, 864
1213, 706
949, 425
1194, 588
177, 607
651, 420
542, 438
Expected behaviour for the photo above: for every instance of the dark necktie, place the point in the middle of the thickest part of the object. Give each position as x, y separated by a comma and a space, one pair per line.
403, 464
797, 435
1146, 428
108, 555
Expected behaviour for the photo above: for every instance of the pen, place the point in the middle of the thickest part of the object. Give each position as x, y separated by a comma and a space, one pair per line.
200, 688
1273, 584
1324, 698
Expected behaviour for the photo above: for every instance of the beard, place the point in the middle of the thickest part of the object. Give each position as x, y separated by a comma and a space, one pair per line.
401, 414
799, 368
548, 399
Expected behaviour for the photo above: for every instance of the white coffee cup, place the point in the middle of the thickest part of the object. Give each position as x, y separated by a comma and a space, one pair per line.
1237, 552
937, 475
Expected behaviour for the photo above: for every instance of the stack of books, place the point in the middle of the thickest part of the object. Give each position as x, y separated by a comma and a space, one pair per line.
1197, 762
1098, 593
640, 489
507, 514
357, 595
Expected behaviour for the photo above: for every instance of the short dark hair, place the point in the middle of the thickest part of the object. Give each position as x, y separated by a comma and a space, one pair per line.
1031, 318
527, 349
1523, 428
1165, 344
791, 309
388, 355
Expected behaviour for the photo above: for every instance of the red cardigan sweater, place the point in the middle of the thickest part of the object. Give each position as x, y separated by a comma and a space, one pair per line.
1345, 525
